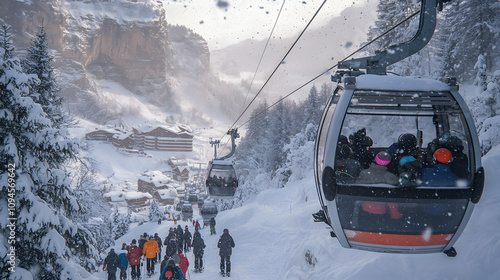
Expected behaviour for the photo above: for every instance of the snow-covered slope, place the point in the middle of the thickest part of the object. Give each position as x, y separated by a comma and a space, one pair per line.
276, 238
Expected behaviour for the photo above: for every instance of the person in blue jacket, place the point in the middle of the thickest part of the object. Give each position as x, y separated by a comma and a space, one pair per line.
440, 173
123, 262
171, 271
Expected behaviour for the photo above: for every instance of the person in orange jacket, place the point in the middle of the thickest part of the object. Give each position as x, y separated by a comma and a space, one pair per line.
150, 250
183, 262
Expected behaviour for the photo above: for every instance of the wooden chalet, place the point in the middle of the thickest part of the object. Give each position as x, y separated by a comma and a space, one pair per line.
151, 181
180, 169
136, 200
123, 140
100, 135
166, 196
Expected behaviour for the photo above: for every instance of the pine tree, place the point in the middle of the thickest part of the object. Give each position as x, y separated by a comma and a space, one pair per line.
480, 80
6, 42
312, 110
155, 213
49, 244
277, 135
469, 30
120, 224
39, 62
249, 155
390, 13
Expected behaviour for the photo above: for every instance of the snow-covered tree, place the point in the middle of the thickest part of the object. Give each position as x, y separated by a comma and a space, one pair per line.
6, 42
485, 108
155, 213
469, 28
312, 111
277, 135
39, 62
249, 154
48, 243
390, 13
481, 79
120, 225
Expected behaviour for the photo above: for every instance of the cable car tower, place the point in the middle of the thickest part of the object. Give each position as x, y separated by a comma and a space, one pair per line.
397, 159
221, 179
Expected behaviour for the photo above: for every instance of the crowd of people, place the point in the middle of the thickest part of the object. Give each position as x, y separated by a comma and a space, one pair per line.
174, 264
404, 163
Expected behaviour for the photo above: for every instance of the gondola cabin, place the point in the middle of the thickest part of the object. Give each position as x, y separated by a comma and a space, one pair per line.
187, 211
221, 178
208, 211
397, 164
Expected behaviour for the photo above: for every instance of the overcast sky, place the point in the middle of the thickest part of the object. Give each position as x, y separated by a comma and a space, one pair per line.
225, 22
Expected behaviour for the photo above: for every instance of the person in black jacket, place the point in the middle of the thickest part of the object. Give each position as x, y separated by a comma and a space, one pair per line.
198, 250
187, 239
179, 234
171, 232
143, 241
160, 244
225, 245
172, 247
112, 261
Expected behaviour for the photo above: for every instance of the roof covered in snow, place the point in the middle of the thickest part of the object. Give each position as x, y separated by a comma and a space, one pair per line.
382, 82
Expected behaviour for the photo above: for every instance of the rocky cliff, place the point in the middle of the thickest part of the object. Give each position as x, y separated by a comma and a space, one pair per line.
123, 41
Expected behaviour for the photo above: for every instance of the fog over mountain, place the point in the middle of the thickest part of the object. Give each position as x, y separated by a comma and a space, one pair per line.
121, 59
124, 58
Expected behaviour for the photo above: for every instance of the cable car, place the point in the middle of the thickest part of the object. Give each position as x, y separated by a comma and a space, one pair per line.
381, 182
208, 211
187, 211
221, 178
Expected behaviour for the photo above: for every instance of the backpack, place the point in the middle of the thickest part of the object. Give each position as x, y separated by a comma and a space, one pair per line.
171, 273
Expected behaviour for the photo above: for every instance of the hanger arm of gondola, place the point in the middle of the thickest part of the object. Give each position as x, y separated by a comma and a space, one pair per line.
234, 134
378, 63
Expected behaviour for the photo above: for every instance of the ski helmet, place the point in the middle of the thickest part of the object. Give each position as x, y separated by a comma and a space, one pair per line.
343, 151
406, 159
407, 141
443, 156
383, 158
343, 140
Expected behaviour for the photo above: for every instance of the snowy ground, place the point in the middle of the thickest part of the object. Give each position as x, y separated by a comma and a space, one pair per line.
274, 231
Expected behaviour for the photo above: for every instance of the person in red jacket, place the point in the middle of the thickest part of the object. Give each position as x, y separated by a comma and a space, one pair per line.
134, 255
183, 261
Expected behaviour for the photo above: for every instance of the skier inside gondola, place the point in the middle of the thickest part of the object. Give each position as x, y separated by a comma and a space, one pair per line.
377, 172
346, 168
406, 146
440, 173
360, 145
460, 164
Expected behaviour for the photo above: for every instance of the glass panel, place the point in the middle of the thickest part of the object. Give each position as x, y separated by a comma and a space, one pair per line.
223, 174
400, 216
222, 180
323, 130
423, 134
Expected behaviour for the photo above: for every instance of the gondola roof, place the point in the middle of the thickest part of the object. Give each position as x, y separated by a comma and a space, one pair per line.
398, 83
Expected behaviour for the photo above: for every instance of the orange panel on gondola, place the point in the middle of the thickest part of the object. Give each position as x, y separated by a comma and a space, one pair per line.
397, 239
